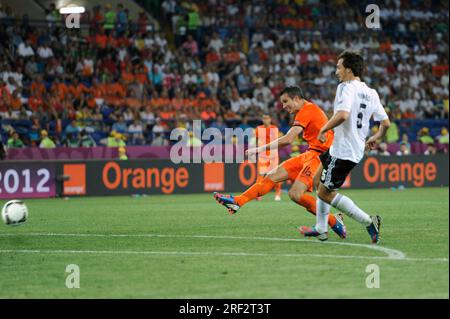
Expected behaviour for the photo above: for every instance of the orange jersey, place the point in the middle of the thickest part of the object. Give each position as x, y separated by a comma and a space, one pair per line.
312, 118
266, 135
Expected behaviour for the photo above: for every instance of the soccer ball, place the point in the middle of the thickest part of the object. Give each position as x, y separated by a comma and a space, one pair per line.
14, 213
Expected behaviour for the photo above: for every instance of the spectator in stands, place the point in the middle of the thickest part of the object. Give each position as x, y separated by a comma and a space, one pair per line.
147, 115
54, 12
181, 27
405, 140
115, 139
219, 124
158, 127
431, 149
260, 104
392, 134
85, 140
46, 141
136, 132
190, 46
380, 150
70, 140
424, 137
11, 84
14, 141
110, 19
159, 139
244, 84
36, 128
31, 68
193, 140
121, 20
208, 115
120, 126
169, 8
216, 42
142, 22
49, 17
128, 115
72, 128
122, 153
403, 149
97, 18
264, 90
244, 123
25, 49
410, 66
443, 137
45, 52
193, 20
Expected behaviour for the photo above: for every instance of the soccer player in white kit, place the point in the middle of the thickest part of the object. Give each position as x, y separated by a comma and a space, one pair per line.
354, 105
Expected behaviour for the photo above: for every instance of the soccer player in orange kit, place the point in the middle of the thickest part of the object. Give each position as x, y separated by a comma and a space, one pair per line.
309, 119
268, 160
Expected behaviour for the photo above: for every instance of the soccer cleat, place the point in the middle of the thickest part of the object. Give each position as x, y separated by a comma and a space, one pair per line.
374, 229
277, 198
339, 228
312, 232
227, 201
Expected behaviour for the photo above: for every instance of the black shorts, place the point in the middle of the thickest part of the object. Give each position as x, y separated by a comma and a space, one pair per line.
335, 170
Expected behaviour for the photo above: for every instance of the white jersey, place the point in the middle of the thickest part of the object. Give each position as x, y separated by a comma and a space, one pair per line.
361, 102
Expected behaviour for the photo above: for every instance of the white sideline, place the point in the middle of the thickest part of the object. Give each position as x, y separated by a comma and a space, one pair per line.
392, 254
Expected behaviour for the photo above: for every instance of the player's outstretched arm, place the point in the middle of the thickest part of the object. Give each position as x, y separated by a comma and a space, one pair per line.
279, 142
337, 119
382, 129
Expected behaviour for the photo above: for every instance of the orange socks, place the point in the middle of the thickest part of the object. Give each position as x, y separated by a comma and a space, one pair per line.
260, 188
265, 185
309, 202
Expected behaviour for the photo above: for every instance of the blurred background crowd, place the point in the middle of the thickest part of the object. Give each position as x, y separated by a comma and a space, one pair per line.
121, 81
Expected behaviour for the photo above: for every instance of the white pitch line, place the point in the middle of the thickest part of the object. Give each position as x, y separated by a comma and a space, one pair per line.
392, 254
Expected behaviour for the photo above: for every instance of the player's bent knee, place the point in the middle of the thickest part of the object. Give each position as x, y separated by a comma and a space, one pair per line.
324, 194
277, 175
323, 197
295, 194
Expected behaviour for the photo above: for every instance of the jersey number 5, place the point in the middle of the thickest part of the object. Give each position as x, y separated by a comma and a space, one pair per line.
322, 177
360, 116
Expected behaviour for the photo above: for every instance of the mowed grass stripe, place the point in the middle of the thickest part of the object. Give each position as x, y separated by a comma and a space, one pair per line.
203, 253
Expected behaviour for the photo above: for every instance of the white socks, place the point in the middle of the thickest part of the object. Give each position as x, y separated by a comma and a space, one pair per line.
322, 211
347, 206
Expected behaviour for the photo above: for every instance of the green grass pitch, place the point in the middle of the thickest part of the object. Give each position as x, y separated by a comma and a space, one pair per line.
188, 246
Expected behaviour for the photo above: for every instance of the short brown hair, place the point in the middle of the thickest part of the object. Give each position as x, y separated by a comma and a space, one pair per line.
352, 60
293, 91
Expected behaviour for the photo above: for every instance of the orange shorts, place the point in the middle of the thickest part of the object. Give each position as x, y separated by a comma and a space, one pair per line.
267, 164
303, 167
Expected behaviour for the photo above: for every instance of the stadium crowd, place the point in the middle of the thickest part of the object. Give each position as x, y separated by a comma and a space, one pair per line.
121, 81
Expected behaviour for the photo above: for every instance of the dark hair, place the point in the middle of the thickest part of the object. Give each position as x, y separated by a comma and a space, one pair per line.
293, 91
352, 60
